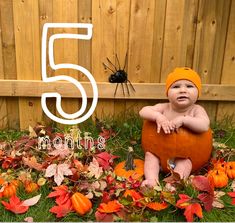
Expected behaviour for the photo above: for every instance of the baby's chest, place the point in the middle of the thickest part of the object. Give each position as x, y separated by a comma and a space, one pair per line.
170, 115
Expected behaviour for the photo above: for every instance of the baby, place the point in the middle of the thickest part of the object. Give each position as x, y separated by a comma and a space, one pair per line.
183, 87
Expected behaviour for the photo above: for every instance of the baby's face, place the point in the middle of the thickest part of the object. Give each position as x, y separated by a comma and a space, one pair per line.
183, 93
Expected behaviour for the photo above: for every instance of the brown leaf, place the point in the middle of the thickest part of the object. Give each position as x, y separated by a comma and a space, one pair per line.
32, 163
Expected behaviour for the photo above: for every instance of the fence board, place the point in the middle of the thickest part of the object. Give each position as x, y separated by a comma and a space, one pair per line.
28, 88
104, 20
9, 59
211, 34
228, 76
172, 37
140, 43
3, 106
158, 37
27, 39
46, 16
66, 50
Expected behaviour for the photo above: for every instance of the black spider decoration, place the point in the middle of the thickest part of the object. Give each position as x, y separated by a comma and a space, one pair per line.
119, 76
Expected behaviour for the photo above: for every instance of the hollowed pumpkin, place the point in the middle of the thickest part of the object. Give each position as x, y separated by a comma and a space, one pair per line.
181, 144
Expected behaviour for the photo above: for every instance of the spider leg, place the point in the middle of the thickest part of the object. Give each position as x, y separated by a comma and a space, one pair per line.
116, 89
118, 62
131, 85
111, 63
105, 66
127, 88
123, 89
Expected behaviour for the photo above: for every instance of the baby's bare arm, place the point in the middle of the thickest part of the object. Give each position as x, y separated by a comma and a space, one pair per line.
151, 113
200, 122
154, 113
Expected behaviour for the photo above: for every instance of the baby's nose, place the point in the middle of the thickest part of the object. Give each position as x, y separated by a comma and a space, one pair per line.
183, 88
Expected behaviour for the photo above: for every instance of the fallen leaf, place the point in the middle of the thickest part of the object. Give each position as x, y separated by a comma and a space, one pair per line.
202, 183
31, 201
28, 219
103, 217
105, 159
58, 171
232, 195
157, 206
15, 205
94, 169
218, 203
192, 209
32, 133
233, 185
110, 207
62, 209
61, 150
32, 163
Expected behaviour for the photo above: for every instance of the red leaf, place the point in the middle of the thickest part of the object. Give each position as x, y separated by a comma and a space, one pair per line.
192, 209
232, 195
105, 159
61, 193
107, 133
202, 183
103, 217
15, 205
60, 190
207, 200
62, 209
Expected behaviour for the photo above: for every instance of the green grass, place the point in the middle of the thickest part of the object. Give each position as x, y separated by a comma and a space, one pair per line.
128, 133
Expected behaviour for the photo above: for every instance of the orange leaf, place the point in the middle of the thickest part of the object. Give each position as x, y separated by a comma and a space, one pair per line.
192, 209
110, 207
133, 194
32, 163
184, 201
15, 205
157, 206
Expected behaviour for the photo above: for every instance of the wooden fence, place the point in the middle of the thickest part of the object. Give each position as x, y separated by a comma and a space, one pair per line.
158, 35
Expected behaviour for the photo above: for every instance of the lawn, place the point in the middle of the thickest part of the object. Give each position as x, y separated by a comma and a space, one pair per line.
81, 162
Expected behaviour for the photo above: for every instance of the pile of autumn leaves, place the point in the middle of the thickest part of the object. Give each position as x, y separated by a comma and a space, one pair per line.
82, 181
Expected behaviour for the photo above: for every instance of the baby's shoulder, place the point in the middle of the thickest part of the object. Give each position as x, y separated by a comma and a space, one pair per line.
162, 106
198, 110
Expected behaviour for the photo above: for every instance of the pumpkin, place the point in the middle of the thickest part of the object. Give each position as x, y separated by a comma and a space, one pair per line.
219, 165
230, 169
9, 190
218, 177
131, 167
81, 203
181, 144
31, 187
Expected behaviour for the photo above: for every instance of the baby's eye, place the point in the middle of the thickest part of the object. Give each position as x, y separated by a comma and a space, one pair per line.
190, 86
175, 86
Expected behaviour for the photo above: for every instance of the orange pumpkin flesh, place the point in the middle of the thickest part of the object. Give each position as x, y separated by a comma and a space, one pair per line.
218, 177
183, 144
230, 169
130, 168
81, 203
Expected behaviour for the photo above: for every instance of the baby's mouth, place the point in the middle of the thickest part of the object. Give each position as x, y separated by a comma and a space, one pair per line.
182, 98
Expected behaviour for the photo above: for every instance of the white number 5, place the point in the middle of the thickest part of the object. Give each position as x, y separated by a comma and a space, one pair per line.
75, 117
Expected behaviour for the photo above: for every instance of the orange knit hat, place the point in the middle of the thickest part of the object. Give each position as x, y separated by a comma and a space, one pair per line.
184, 73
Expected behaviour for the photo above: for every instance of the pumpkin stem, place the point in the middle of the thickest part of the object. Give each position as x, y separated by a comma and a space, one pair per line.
129, 164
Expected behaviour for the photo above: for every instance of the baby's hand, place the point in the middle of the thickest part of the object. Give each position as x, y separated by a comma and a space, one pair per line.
150, 183
165, 124
177, 122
